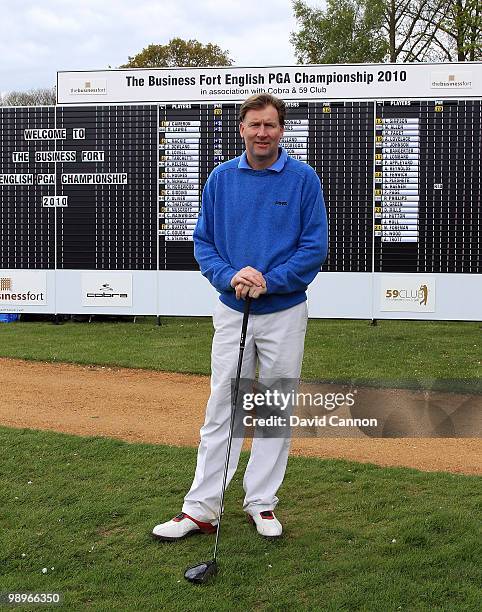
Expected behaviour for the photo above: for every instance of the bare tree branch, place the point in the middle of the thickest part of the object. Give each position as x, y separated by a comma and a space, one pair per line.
43, 96
444, 49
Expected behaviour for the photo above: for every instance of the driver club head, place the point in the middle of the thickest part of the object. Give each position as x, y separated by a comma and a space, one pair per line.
202, 572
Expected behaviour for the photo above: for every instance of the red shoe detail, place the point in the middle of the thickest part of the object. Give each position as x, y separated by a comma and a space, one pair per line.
266, 514
204, 527
178, 518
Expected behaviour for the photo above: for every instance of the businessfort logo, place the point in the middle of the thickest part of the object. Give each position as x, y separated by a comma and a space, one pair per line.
5, 284
93, 86
21, 292
451, 80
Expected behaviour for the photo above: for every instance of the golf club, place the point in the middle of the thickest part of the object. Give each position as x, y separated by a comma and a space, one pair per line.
201, 572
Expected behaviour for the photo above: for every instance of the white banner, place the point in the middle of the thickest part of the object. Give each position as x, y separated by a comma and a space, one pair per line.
20, 288
106, 289
325, 82
407, 293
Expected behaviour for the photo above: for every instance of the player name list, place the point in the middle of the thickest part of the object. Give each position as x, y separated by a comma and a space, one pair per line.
427, 179
194, 139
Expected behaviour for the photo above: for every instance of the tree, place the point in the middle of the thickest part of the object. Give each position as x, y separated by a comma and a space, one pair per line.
347, 31
410, 34
457, 26
43, 96
393, 30
179, 52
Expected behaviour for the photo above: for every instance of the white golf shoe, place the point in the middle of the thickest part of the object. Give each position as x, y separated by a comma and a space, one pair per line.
180, 527
266, 524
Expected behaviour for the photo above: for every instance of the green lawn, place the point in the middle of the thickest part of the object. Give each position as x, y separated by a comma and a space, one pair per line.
357, 536
335, 349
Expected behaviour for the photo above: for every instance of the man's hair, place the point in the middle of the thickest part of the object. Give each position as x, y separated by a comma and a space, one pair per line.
263, 100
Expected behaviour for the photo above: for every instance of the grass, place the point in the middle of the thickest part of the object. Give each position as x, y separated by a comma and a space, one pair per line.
334, 349
357, 536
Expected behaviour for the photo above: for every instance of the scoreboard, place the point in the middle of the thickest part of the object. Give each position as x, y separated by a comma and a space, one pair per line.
333, 138
427, 186
99, 195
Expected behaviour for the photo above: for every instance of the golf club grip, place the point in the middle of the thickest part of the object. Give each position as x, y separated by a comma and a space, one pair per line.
244, 327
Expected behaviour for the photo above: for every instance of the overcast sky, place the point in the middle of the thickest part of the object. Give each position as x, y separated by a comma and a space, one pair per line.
39, 37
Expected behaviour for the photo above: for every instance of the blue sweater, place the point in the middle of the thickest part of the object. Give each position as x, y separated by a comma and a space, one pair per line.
273, 220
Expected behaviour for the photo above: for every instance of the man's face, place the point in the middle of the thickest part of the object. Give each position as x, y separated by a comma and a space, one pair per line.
262, 132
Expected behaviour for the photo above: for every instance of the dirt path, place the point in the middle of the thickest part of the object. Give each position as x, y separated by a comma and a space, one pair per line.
164, 408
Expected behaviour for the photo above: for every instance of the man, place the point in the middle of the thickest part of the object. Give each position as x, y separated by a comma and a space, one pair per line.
262, 232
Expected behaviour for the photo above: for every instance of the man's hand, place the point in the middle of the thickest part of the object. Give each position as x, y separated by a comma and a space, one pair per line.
248, 276
243, 290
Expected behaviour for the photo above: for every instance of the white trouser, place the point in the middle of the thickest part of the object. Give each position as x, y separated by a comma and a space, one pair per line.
275, 343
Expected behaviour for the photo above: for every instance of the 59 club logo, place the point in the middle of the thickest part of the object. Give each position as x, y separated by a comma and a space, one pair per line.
407, 294
420, 294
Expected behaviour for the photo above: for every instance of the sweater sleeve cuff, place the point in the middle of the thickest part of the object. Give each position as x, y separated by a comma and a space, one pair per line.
225, 279
269, 284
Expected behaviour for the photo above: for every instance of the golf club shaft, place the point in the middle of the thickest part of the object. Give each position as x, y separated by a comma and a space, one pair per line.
242, 343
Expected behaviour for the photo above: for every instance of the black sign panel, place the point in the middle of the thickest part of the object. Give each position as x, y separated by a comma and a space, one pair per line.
119, 187
27, 230
427, 180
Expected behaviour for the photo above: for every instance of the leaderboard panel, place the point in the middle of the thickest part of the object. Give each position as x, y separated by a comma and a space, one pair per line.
336, 139
193, 140
342, 153
110, 218
428, 186
78, 188
120, 187
27, 229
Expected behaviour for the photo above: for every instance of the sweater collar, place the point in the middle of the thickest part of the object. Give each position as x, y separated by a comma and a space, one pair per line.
277, 166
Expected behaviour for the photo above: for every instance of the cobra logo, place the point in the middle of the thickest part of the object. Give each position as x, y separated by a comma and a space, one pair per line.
106, 291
